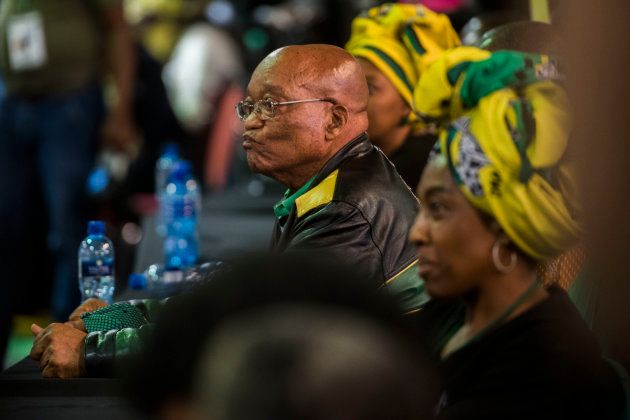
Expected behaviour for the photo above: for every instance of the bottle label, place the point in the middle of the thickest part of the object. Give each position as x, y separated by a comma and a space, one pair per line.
97, 268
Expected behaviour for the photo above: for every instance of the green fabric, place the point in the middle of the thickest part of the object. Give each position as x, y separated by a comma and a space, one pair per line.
113, 317
409, 290
503, 69
453, 74
283, 208
397, 69
74, 41
108, 353
109, 349
150, 308
130, 341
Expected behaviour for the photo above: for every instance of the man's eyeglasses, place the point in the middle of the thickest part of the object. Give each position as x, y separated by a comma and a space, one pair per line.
266, 108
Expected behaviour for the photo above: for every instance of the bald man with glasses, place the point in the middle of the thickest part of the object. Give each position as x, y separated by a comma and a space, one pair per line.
305, 126
305, 120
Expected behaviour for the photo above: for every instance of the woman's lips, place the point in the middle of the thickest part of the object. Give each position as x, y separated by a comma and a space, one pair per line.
426, 267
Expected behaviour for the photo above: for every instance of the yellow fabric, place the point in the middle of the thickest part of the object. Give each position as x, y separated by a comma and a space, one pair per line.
539, 11
435, 98
319, 195
387, 36
531, 191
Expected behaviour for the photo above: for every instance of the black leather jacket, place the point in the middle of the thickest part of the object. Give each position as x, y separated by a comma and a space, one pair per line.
357, 207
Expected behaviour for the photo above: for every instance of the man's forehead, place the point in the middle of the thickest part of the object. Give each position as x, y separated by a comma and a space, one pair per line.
276, 79
268, 86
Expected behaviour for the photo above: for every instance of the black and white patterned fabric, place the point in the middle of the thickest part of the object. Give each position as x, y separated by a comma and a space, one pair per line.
471, 157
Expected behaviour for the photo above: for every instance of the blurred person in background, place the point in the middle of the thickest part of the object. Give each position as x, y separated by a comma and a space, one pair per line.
204, 77
158, 24
52, 59
169, 378
385, 40
499, 196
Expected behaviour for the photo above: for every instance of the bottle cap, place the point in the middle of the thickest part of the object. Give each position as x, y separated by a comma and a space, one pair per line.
137, 281
170, 149
96, 227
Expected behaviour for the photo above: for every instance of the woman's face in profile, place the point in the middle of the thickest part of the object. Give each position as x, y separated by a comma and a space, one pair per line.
386, 108
452, 241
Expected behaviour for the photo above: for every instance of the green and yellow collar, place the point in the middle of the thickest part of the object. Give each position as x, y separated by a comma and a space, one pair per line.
305, 199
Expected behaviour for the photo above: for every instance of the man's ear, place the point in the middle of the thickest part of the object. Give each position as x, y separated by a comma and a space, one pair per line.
338, 120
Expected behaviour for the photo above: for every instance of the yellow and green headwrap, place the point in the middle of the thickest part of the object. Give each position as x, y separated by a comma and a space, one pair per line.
506, 142
399, 39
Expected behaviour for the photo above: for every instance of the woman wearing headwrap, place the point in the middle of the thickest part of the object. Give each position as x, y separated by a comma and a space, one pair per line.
386, 40
497, 197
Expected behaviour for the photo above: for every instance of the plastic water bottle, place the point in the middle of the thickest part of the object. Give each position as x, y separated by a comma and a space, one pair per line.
182, 203
96, 264
163, 168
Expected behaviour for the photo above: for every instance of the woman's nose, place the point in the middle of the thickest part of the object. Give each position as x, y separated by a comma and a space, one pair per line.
419, 233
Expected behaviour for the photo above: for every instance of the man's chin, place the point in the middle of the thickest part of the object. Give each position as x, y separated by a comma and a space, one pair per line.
256, 167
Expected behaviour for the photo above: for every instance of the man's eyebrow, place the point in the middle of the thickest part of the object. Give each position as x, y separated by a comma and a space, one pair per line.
273, 89
265, 88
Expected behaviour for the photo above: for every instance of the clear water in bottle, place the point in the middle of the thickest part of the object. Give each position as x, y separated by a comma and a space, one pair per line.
182, 202
163, 169
96, 264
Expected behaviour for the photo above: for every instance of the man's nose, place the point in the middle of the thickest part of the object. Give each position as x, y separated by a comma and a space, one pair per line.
252, 122
419, 232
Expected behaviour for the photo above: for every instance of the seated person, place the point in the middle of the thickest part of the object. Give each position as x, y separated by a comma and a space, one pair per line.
168, 375
385, 40
305, 120
498, 196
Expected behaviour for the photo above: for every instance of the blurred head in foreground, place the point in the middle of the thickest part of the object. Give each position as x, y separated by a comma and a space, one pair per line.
162, 380
300, 361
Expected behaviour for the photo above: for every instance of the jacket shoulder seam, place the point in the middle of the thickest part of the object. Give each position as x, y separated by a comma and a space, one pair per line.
380, 251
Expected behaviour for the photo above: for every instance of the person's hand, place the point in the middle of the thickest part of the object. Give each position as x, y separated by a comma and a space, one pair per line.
59, 349
90, 305
76, 323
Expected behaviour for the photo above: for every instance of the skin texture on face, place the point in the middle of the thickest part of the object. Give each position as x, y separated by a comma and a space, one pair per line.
453, 242
294, 144
386, 109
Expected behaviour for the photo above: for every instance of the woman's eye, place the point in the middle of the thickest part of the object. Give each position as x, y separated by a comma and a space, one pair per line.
436, 208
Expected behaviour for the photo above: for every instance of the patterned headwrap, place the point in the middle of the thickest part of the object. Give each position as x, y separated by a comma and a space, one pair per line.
400, 39
506, 141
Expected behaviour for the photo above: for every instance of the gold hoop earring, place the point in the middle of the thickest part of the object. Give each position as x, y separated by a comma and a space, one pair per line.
496, 259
